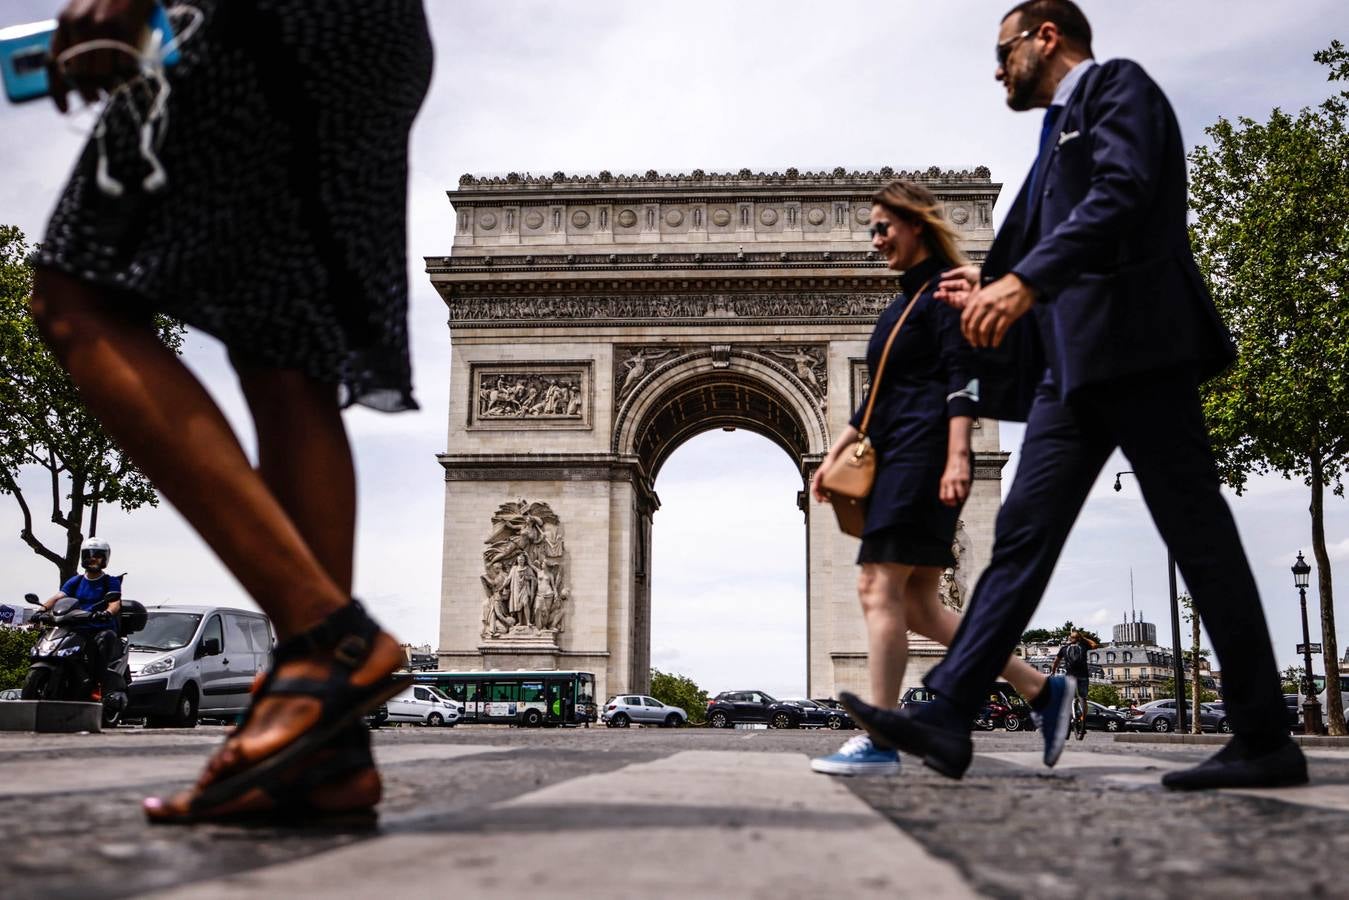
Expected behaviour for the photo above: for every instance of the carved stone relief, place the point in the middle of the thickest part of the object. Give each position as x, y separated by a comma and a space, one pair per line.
960, 215
863, 215
768, 216
525, 573
721, 217
488, 221
808, 364
953, 585
795, 304
815, 216
627, 218
580, 218
674, 218
632, 364
536, 394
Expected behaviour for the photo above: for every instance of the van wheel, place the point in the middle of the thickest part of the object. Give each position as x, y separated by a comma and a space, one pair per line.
435, 720
185, 713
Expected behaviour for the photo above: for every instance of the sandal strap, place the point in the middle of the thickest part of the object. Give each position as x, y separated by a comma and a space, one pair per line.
348, 633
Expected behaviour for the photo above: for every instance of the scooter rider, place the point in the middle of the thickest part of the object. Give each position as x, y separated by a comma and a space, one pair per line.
91, 588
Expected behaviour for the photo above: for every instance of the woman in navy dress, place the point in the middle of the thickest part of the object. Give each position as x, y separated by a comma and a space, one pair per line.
920, 429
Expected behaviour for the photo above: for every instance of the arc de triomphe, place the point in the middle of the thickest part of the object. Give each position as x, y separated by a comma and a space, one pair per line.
598, 322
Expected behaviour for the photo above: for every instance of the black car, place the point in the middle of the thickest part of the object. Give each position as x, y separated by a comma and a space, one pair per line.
1017, 717
812, 714
730, 708
1101, 718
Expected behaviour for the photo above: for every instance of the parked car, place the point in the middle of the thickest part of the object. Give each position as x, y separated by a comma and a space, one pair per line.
196, 661
11, 694
730, 708
377, 717
1103, 718
624, 709
917, 696
1220, 709
813, 715
1160, 716
421, 705
1293, 703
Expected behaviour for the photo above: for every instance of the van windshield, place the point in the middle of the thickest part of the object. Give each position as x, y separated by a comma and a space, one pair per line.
166, 631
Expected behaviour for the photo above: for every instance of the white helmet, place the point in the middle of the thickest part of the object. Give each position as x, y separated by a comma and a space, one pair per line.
94, 546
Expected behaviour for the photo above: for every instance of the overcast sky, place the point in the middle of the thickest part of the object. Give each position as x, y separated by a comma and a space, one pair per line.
532, 86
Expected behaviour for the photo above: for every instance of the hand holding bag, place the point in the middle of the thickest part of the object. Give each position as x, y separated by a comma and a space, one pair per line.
849, 480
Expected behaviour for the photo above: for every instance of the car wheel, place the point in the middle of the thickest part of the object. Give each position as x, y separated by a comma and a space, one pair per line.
782, 720
435, 720
719, 720
1111, 725
621, 720
1161, 725
533, 718
1224, 726
185, 710
672, 720
1012, 723
835, 723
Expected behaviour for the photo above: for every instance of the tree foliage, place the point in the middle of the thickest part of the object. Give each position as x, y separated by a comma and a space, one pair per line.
1167, 688
1105, 694
16, 646
45, 425
1057, 635
1272, 238
679, 690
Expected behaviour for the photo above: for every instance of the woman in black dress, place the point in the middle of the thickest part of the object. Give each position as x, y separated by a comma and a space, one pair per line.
920, 429
267, 207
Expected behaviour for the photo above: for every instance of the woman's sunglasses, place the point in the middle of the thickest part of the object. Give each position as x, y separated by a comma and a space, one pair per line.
880, 228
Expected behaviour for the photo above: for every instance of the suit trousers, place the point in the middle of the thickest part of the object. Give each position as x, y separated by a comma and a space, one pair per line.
1157, 421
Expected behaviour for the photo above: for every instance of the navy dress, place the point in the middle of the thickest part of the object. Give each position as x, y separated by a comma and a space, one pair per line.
928, 379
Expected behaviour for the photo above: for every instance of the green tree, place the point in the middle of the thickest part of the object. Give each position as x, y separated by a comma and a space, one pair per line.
44, 425
1105, 694
1167, 688
1292, 680
16, 645
679, 690
1272, 239
1060, 634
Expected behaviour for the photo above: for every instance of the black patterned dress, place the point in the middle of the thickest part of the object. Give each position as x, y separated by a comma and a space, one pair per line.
282, 230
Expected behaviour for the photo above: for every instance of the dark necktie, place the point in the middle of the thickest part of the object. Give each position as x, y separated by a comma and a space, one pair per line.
1046, 130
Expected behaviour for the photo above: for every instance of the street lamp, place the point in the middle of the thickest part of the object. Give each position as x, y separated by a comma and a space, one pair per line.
1177, 661
1311, 708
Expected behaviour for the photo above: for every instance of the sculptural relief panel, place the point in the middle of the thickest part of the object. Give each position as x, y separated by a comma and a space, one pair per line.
793, 304
511, 396
524, 576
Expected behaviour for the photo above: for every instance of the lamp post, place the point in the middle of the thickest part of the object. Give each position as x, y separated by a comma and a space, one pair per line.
1177, 660
1311, 707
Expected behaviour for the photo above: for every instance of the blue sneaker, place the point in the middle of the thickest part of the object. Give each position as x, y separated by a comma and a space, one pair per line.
1055, 718
858, 756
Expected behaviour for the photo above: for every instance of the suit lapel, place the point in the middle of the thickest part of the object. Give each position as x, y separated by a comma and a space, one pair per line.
1070, 113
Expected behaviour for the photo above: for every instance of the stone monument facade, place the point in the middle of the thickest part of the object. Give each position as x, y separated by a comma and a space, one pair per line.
596, 323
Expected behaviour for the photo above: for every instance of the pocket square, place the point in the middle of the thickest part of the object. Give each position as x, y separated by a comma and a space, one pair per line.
1067, 136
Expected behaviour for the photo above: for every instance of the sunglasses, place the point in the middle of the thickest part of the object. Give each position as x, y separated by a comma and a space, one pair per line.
1004, 48
880, 228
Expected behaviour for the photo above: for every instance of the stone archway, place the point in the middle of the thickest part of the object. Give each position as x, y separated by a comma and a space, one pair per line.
599, 322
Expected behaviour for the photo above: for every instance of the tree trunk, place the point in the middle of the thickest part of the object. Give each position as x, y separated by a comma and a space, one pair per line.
1196, 722
1330, 650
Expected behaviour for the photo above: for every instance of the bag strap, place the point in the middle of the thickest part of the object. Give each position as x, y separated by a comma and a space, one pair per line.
880, 366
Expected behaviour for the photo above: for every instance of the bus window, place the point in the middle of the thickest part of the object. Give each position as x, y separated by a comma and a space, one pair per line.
503, 691
531, 691
585, 689
458, 691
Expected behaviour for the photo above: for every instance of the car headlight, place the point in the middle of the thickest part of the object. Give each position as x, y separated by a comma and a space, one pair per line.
158, 666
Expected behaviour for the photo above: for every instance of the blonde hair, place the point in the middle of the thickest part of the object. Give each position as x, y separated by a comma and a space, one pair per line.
914, 203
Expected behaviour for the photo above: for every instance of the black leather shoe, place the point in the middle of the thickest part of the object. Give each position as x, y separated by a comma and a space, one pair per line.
944, 751
1235, 767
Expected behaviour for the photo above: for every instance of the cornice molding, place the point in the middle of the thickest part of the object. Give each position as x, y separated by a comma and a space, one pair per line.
838, 176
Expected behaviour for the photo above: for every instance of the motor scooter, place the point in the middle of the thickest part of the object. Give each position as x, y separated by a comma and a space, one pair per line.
62, 666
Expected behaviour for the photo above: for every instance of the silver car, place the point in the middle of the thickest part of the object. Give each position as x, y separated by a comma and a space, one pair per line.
624, 709
1160, 716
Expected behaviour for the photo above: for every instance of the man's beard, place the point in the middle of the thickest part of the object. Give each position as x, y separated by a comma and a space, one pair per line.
1022, 93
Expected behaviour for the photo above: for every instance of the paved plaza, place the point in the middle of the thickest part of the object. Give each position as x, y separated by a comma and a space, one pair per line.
484, 811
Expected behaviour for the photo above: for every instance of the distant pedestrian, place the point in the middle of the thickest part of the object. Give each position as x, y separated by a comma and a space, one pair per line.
257, 191
1096, 245
920, 429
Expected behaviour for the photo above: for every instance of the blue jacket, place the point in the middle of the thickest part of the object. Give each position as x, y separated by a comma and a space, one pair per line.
1105, 244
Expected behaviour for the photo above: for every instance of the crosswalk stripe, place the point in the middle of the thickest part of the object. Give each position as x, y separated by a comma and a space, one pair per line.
704, 824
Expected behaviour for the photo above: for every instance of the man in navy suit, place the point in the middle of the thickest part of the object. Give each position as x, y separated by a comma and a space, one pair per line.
1122, 333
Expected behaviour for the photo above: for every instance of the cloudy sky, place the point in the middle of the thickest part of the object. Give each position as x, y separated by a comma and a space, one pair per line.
584, 86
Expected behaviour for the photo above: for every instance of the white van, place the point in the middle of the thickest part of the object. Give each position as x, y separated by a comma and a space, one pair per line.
424, 706
196, 661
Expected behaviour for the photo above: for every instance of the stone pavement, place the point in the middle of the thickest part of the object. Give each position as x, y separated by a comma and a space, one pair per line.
483, 811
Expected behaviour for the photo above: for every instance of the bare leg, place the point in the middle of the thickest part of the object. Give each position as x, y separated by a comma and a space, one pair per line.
880, 587
313, 479
927, 616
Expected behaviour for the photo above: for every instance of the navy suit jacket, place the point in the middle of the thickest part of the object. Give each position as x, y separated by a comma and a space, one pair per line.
1105, 244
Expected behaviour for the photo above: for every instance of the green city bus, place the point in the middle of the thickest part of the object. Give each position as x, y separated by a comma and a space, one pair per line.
518, 698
